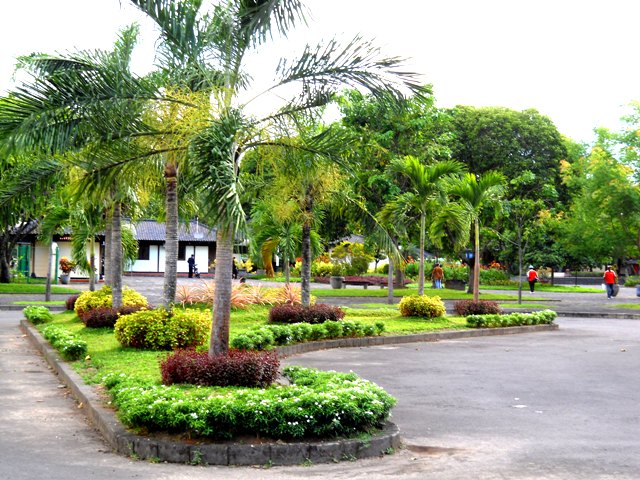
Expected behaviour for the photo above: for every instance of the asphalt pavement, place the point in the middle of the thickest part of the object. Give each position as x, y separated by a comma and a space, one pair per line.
551, 405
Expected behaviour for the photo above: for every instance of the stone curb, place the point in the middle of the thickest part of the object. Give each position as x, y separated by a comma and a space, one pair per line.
53, 308
300, 348
627, 316
228, 453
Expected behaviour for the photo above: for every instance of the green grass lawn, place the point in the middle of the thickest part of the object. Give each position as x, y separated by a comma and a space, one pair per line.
36, 302
106, 355
30, 288
544, 288
443, 293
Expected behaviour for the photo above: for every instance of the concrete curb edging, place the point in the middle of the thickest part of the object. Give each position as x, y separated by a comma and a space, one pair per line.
300, 348
228, 453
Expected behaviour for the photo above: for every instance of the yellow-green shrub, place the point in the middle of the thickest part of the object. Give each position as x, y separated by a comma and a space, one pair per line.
422, 306
102, 298
160, 329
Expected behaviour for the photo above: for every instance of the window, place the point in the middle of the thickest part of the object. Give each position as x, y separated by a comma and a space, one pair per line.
143, 251
182, 251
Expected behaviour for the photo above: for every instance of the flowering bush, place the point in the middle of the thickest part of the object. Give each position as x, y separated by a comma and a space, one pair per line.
102, 298
239, 368
421, 306
316, 404
36, 314
66, 265
160, 329
69, 345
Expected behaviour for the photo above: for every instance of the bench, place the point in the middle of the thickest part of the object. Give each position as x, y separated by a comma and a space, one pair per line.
363, 283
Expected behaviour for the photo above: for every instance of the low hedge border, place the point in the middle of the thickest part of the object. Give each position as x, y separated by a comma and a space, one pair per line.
544, 317
232, 453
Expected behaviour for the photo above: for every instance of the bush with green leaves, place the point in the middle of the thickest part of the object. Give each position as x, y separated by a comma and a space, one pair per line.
162, 329
102, 298
69, 345
316, 405
421, 306
512, 319
494, 276
36, 314
269, 336
632, 281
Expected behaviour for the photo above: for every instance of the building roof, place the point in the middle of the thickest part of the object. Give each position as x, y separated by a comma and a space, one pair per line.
150, 230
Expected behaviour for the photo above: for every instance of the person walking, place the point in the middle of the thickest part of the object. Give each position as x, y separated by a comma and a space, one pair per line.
532, 277
610, 278
437, 275
192, 264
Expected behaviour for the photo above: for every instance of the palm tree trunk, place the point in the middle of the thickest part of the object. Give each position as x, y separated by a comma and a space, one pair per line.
305, 271
171, 239
107, 250
423, 222
390, 282
92, 264
476, 254
116, 256
47, 288
287, 269
219, 343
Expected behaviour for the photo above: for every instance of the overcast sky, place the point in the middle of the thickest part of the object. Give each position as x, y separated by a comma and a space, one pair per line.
574, 61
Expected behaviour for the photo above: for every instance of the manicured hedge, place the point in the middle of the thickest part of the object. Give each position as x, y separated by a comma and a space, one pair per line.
318, 313
481, 307
269, 336
37, 314
239, 368
316, 405
511, 320
68, 344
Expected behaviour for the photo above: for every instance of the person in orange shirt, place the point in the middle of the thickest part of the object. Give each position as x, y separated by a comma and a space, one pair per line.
437, 275
532, 277
610, 278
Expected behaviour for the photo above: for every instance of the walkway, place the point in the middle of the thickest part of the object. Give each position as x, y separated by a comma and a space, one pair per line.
555, 405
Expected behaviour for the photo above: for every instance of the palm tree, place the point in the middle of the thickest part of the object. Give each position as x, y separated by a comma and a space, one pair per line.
207, 53
425, 193
473, 194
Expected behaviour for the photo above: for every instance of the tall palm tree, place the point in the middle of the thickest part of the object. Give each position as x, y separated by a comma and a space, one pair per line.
204, 52
473, 194
425, 193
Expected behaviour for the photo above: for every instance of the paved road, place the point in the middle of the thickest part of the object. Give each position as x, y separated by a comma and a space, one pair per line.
554, 405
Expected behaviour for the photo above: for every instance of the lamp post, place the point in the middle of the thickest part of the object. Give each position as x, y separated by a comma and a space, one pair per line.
469, 258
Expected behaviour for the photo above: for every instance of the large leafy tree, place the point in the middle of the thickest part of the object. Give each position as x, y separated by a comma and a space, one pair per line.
225, 40
507, 141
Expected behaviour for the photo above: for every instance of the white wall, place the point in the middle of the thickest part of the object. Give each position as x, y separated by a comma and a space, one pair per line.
157, 260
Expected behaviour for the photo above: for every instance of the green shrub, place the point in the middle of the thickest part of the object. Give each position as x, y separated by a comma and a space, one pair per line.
37, 314
632, 281
69, 345
411, 269
456, 272
493, 276
316, 405
421, 306
318, 313
160, 329
511, 320
268, 336
102, 298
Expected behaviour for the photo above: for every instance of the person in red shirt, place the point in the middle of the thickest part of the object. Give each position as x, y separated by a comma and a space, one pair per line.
609, 281
532, 277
